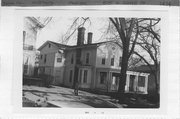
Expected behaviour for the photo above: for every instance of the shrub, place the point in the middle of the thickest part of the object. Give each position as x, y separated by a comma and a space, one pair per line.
47, 79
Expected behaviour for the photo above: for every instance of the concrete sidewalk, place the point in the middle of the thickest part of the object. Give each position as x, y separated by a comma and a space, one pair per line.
64, 97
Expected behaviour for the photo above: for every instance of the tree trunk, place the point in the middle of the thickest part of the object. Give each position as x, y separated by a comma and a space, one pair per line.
122, 81
76, 69
156, 81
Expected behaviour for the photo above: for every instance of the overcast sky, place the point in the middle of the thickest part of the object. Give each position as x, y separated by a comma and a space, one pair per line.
57, 27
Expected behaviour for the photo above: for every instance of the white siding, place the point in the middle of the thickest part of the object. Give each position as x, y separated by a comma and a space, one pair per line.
87, 84
108, 52
59, 69
50, 55
52, 67
69, 66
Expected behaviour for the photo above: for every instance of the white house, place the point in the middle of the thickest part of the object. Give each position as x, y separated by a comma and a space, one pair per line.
93, 65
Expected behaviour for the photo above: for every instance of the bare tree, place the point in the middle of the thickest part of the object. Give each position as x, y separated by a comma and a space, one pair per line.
149, 41
142, 33
124, 28
134, 61
128, 33
77, 23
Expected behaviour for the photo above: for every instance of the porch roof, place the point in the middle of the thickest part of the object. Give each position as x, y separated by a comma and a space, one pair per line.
142, 68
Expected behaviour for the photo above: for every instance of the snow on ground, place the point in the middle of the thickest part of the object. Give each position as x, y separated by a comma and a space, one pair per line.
64, 97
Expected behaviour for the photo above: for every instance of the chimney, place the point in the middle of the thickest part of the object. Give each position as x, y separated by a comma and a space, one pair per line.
89, 37
80, 38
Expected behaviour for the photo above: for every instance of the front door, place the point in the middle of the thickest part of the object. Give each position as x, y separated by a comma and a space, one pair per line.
131, 83
115, 81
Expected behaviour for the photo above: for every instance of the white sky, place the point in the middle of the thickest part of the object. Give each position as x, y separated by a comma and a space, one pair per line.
59, 26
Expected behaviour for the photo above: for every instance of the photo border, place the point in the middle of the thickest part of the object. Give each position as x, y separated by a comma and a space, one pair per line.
93, 11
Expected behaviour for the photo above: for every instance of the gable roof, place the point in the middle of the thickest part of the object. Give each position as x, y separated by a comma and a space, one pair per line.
90, 45
58, 45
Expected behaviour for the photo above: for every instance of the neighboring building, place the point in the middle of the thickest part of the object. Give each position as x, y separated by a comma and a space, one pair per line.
150, 82
51, 61
94, 65
31, 26
137, 82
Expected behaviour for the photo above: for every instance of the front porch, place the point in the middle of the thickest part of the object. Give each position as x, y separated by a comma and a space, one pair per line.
136, 82
108, 81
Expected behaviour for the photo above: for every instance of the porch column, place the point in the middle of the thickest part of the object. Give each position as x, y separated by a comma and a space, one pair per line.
109, 80
146, 84
136, 82
127, 83
94, 77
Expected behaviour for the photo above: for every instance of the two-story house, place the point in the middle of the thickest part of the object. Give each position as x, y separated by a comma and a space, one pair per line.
52, 60
93, 65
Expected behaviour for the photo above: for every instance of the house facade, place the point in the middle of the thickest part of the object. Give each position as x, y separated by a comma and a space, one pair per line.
52, 61
93, 65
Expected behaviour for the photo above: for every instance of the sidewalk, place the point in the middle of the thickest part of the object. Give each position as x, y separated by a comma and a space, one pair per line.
64, 97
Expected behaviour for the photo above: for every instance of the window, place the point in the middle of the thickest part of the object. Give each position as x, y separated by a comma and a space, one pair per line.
103, 60
120, 61
112, 61
85, 76
87, 58
24, 36
25, 69
45, 58
42, 70
26, 65
72, 59
70, 76
141, 81
80, 76
115, 80
59, 59
49, 45
103, 76
41, 56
